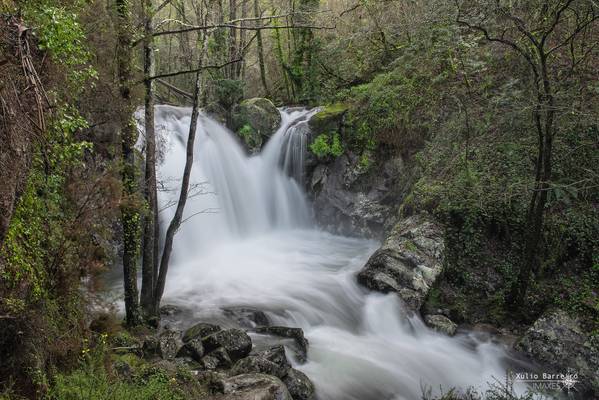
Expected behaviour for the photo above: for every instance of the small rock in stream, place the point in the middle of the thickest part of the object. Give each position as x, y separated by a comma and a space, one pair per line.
299, 385
271, 361
441, 324
297, 334
247, 317
254, 387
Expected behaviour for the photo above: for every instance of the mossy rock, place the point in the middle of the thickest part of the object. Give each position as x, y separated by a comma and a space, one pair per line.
216, 112
255, 120
328, 119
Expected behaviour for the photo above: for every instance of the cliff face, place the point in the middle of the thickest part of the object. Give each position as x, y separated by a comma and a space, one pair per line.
349, 197
21, 113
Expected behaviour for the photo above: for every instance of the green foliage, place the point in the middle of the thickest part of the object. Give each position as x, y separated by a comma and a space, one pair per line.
91, 381
61, 34
327, 145
37, 227
246, 132
227, 92
398, 107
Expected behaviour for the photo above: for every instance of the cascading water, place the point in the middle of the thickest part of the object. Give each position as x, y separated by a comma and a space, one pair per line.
249, 240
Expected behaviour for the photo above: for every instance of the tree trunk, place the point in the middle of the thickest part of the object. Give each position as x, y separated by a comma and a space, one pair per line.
151, 228
260, 48
544, 118
129, 208
239, 66
232, 40
176, 220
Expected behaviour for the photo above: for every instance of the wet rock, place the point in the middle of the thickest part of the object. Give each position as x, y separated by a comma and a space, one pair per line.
254, 387
271, 362
255, 120
557, 341
189, 363
218, 358
193, 349
441, 324
408, 262
236, 342
169, 344
247, 317
169, 310
200, 330
297, 334
213, 380
328, 119
299, 385
165, 346
217, 112
353, 200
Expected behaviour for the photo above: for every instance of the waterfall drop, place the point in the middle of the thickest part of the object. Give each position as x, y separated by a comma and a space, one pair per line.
249, 239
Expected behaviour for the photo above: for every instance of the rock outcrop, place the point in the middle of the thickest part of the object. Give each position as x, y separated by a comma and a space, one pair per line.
255, 120
557, 341
226, 361
408, 262
355, 201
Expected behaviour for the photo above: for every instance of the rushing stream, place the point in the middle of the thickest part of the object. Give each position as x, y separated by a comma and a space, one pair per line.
249, 239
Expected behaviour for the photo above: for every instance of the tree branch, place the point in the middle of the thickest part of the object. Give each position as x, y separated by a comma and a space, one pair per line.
190, 71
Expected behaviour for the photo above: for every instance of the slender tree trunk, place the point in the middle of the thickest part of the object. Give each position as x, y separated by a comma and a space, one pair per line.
129, 205
177, 218
260, 49
239, 66
151, 228
232, 39
544, 118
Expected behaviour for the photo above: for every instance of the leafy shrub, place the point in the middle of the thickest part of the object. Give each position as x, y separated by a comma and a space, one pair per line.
327, 145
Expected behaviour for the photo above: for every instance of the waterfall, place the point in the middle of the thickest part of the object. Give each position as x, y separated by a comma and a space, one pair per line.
236, 195
249, 239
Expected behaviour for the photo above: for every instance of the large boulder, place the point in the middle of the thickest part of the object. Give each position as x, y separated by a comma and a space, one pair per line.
193, 349
218, 358
254, 387
236, 342
200, 330
557, 341
299, 385
271, 362
408, 262
166, 345
255, 120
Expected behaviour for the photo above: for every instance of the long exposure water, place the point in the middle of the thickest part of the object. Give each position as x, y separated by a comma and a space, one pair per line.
249, 239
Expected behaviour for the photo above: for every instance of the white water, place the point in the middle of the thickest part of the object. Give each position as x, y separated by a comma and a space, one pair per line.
257, 245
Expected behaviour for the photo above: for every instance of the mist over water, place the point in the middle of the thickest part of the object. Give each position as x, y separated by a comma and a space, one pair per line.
250, 240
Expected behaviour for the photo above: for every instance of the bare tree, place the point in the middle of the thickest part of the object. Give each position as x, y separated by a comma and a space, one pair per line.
177, 218
536, 31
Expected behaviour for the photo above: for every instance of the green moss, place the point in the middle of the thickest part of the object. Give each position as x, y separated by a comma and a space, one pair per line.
328, 119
